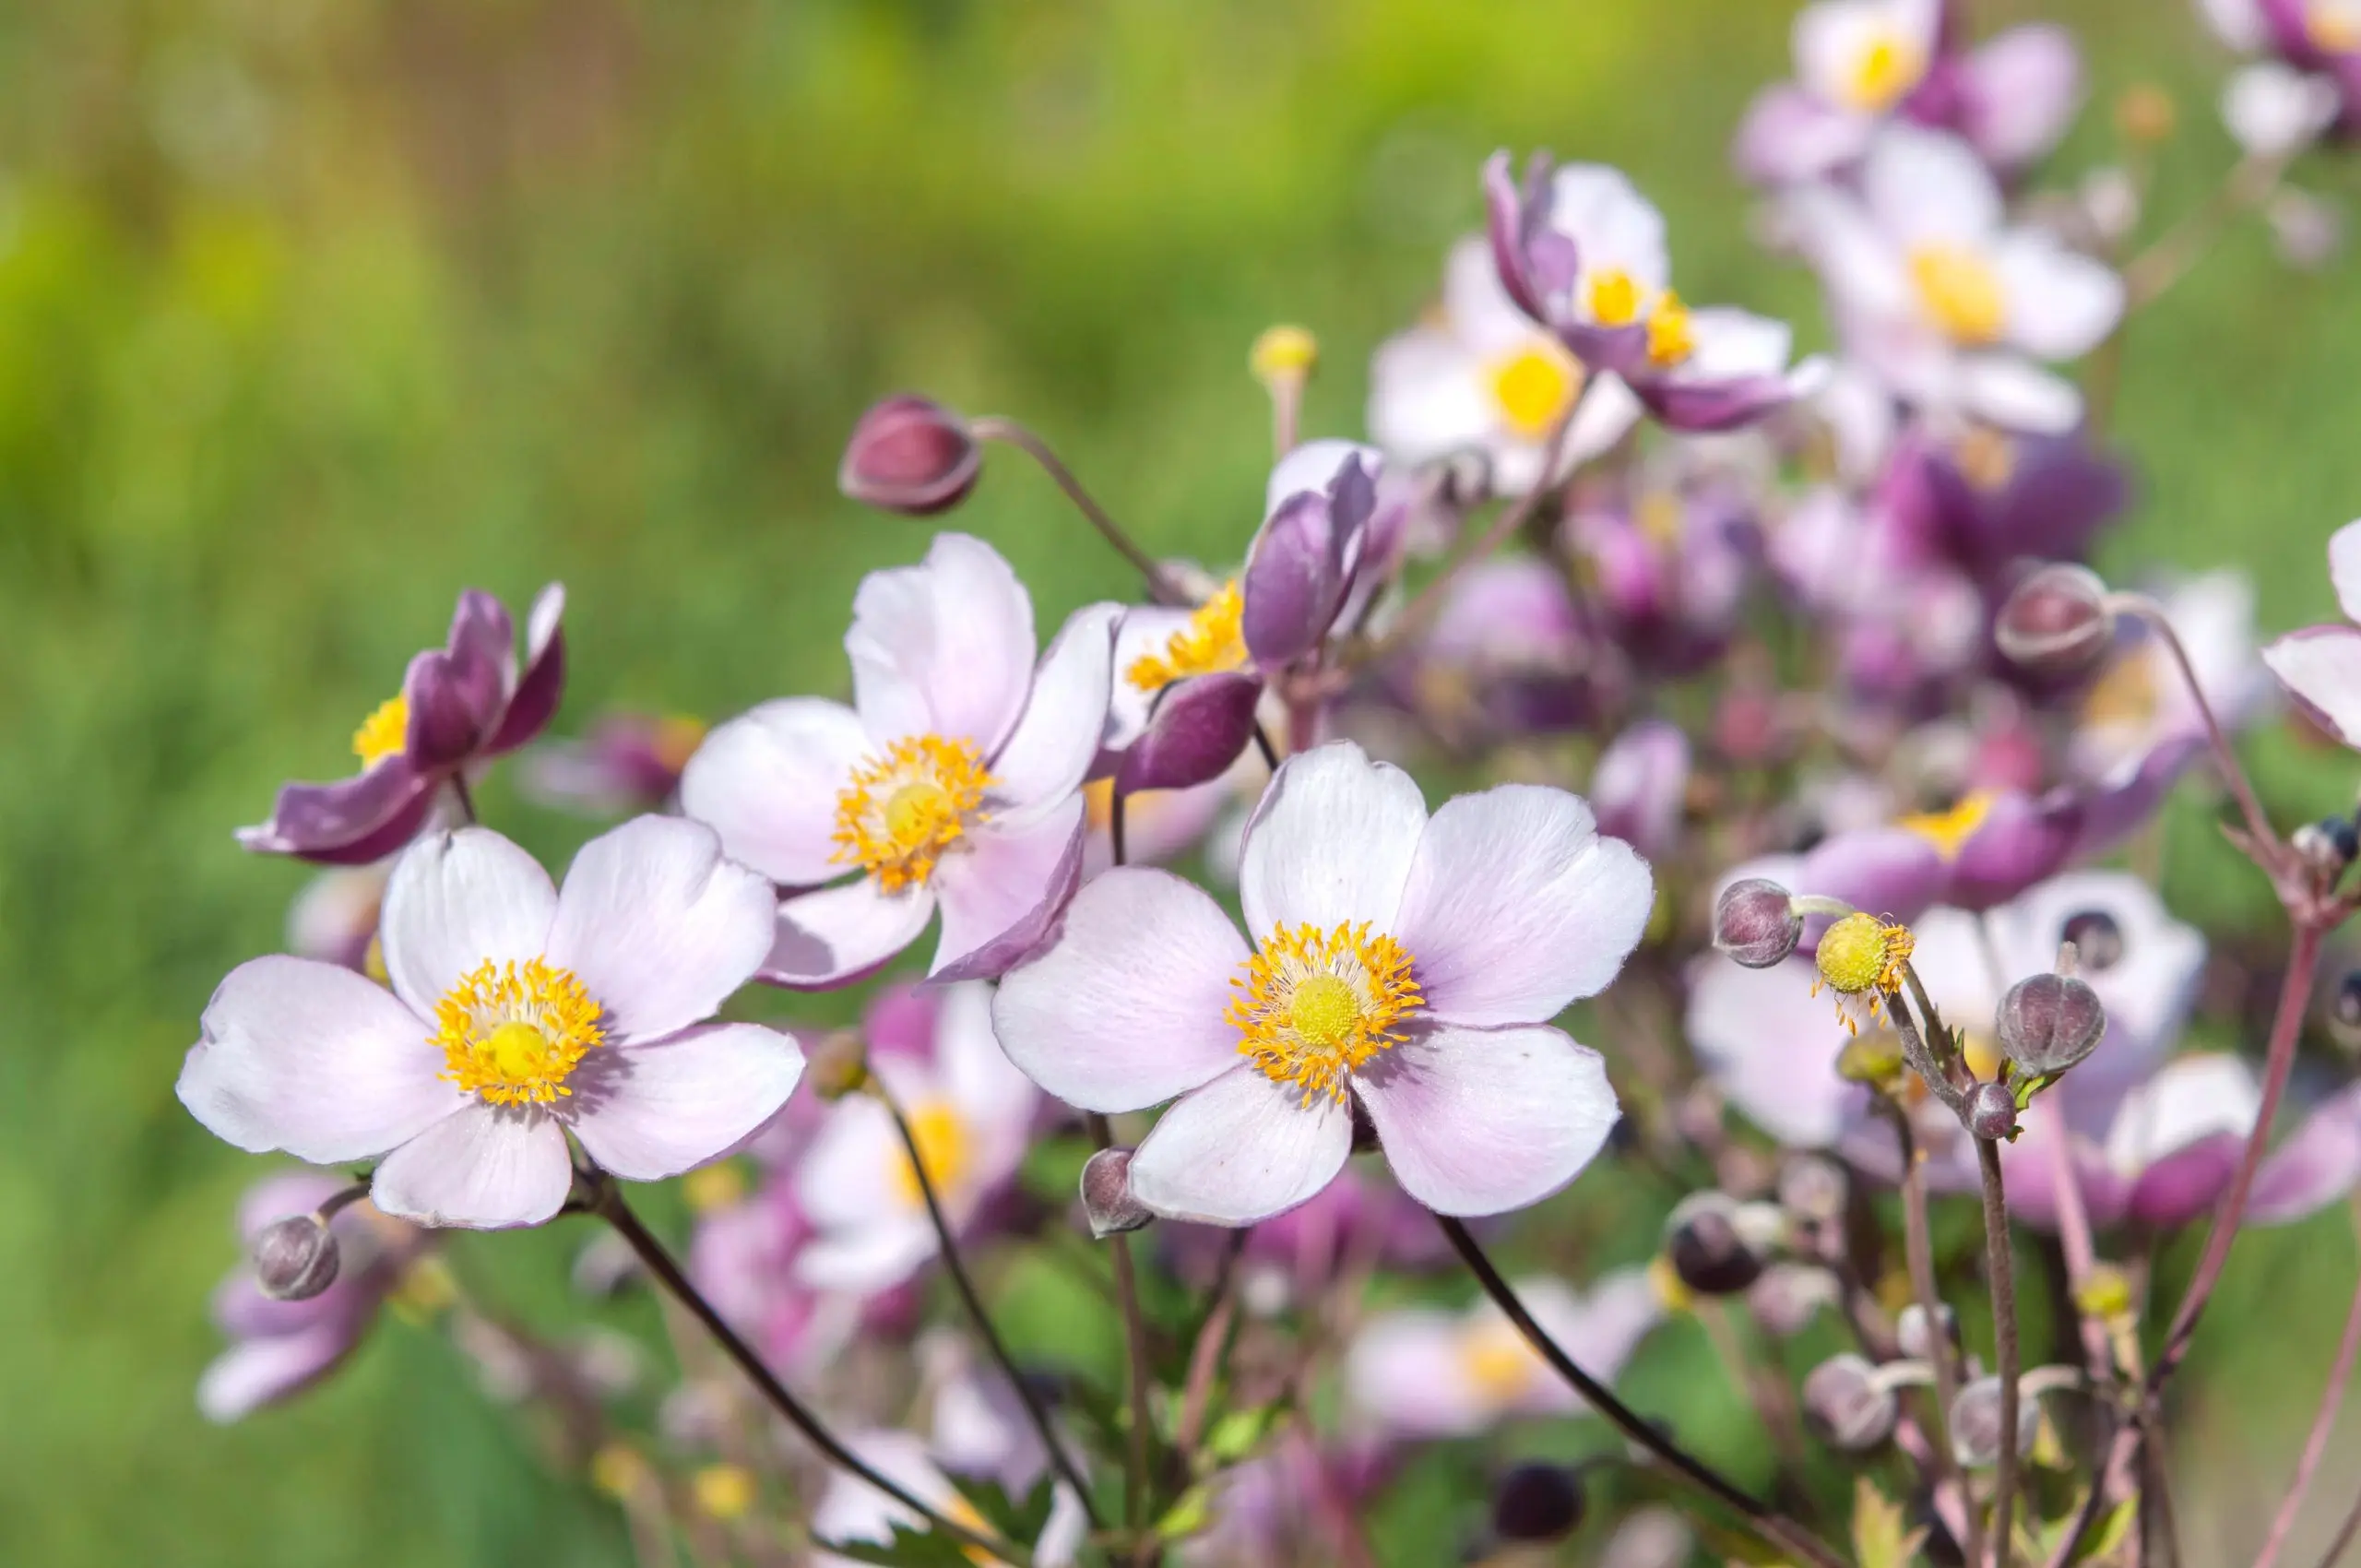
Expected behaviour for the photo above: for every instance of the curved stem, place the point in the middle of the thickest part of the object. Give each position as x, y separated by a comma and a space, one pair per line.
2149, 274
992, 427
606, 1201
953, 1265
1765, 1522
2000, 1264
2323, 1423
2234, 772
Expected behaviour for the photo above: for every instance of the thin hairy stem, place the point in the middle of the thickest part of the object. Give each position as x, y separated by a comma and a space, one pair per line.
2340, 1375
2234, 772
965, 1284
992, 427
1774, 1528
1918, 1256
2000, 1265
607, 1201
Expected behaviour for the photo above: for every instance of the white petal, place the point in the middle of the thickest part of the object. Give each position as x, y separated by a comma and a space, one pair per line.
456, 900
1332, 842
1613, 226
1771, 1046
1408, 1370
1924, 185
2025, 84
1428, 397
653, 1111
2187, 1101
2322, 667
945, 648
1515, 905
1311, 467
1000, 895
1731, 343
2344, 568
2238, 23
1239, 1151
658, 927
767, 782
2060, 302
1067, 714
855, 1172
837, 934
974, 1069
1480, 1121
2017, 395
489, 1168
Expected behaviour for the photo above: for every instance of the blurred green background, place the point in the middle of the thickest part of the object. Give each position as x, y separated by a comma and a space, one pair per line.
312, 312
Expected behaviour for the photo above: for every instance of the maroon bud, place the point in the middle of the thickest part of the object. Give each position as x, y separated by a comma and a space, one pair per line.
1538, 1501
1106, 1197
1975, 1424
2049, 1022
296, 1258
1755, 922
1992, 1113
1848, 1406
1708, 1251
2056, 622
909, 455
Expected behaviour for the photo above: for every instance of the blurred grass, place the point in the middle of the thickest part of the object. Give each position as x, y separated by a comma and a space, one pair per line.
312, 314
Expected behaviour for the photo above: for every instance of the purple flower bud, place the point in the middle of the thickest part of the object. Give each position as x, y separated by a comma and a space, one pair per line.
1992, 1113
1708, 1251
1755, 922
1106, 1197
1847, 1405
2097, 937
909, 455
2047, 1022
296, 1258
1200, 725
2056, 622
1975, 1424
1538, 1501
1812, 1187
1910, 1331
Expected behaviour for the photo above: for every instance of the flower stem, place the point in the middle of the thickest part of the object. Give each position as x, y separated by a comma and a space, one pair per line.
606, 1200
2323, 1424
1765, 1522
467, 800
1918, 1254
2000, 1264
966, 1286
992, 427
2234, 772
1205, 1357
1136, 1345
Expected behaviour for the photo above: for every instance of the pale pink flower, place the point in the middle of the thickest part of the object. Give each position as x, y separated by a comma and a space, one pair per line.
2321, 666
518, 1014
1406, 963
954, 782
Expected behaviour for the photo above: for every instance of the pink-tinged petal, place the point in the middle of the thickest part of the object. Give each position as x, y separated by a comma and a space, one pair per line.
2318, 1164
452, 706
2022, 89
1771, 1046
1408, 1370
1788, 136
1483, 1121
2183, 1186
2060, 302
1130, 1007
315, 1060
837, 934
1515, 905
260, 1372
1066, 717
534, 702
1427, 397
1332, 842
348, 822
945, 648
2320, 667
1923, 185
489, 1168
2017, 395
649, 1111
1640, 782
2344, 568
1002, 895
658, 927
1144, 629
454, 900
484, 636
1239, 1151
767, 782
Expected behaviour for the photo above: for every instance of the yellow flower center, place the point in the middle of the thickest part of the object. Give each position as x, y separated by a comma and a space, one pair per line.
1960, 291
1886, 68
514, 1033
1534, 386
1671, 338
1987, 457
1315, 1006
2127, 695
941, 1134
1496, 1360
2333, 26
1614, 297
676, 741
902, 811
1211, 642
723, 1491
1947, 830
1283, 353
1983, 1057
1861, 957
384, 732
712, 1187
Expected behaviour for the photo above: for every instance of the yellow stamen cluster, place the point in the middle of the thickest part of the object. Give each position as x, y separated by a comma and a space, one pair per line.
384, 733
2127, 695
2333, 26
1960, 291
1283, 353
1861, 957
1316, 1005
1948, 831
513, 1033
1671, 338
1534, 386
1615, 297
1886, 69
1211, 641
723, 1491
902, 811
1618, 299
1495, 1358
941, 1134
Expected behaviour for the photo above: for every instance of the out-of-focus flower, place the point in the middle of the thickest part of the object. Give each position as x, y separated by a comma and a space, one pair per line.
2312, 48
460, 705
1933, 290
1305, 563
2321, 666
743, 1256
334, 919
853, 1511
1483, 377
1860, 62
1355, 1221
1403, 962
952, 782
971, 1113
628, 764
1425, 1371
2274, 110
1581, 251
1666, 562
1506, 655
2307, 229
280, 1348
1987, 501
519, 1016
2141, 702
1641, 786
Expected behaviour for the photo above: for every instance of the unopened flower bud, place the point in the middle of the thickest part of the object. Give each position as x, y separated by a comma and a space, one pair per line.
1812, 1187
1975, 1424
2049, 1022
838, 1066
2327, 846
1755, 922
1788, 1296
1911, 1337
1538, 1501
909, 455
296, 1258
1992, 1113
1848, 1406
1709, 1251
1283, 354
2097, 937
2056, 622
1106, 1197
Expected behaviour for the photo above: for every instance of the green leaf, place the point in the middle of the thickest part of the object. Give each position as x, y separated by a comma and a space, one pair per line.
908, 1548
1881, 1537
1187, 1517
1238, 1433
2112, 1531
